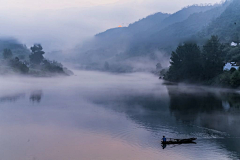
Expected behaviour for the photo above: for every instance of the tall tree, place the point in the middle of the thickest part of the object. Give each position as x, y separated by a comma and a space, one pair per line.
37, 54
213, 58
185, 63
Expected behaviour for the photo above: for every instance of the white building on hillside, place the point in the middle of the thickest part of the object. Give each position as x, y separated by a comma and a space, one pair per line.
230, 65
233, 44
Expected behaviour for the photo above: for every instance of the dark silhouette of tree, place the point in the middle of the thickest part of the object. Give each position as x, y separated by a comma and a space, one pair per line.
185, 63
213, 58
19, 66
52, 66
235, 79
37, 54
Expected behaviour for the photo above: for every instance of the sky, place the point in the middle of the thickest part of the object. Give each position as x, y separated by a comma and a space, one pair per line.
166, 5
59, 24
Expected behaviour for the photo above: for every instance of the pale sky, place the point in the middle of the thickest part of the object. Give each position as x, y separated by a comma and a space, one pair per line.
66, 23
169, 5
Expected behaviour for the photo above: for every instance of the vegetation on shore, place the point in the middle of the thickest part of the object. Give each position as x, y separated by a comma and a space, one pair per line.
32, 63
204, 64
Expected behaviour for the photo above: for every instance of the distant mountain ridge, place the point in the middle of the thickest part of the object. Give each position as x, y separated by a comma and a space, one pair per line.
162, 32
227, 25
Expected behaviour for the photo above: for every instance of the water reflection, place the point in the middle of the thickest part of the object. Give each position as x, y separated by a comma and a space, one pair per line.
216, 112
116, 117
212, 110
36, 96
186, 112
12, 98
164, 146
186, 106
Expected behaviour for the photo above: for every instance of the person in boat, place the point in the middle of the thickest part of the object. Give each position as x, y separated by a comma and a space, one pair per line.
164, 139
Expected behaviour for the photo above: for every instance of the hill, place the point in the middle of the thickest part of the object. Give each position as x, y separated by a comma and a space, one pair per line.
154, 37
226, 26
16, 58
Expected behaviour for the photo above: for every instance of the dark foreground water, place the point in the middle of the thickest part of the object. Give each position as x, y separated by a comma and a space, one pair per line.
99, 116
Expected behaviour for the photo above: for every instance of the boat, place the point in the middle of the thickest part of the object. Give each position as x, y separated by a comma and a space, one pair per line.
179, 141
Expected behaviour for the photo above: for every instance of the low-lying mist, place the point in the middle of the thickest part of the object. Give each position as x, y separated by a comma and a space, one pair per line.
83, 82
135, 109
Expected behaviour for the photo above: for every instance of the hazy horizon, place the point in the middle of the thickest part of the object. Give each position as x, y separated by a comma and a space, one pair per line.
64, 24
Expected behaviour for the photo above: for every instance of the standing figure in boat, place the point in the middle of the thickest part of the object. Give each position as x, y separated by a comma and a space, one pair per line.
164, 142
164, 139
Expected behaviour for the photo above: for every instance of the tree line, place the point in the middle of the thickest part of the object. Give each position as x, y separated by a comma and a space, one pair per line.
34, 64
195, 64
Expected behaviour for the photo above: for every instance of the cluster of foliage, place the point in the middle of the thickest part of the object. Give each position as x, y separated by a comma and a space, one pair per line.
35, 64
192, 63
15, 64
229, 78
18, 66
37, 54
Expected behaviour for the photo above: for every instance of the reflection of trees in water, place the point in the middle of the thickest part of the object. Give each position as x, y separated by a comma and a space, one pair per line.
233, 99
148, 111
12, 98
187, 106
201, 108
207, 110
36, 96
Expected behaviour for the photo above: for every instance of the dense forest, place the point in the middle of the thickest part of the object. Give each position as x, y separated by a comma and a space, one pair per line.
204, 64
18, 59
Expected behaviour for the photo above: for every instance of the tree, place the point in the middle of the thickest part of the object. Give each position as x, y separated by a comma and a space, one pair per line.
19, 66
235, 79
52, 66
37, 54
7, 54
185, 63
232, 70
213, 58
224, 79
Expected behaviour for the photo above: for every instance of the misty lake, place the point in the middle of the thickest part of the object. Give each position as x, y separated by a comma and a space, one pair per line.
101, 116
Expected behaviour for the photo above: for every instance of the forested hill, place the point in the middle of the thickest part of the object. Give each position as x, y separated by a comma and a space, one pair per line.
16, 58
19, 50
160, 33
227, 25
182, 15
137, 27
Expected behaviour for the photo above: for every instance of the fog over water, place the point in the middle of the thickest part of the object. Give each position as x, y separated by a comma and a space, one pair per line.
94, 115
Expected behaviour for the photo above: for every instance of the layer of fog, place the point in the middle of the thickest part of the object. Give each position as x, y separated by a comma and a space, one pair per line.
58, 29
61, 112
68, 113
65, 28
117, 62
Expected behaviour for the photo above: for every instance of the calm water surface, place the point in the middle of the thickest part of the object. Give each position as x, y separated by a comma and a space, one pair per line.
100, 116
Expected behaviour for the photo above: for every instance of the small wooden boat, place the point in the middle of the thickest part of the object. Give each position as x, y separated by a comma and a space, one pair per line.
179, 141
